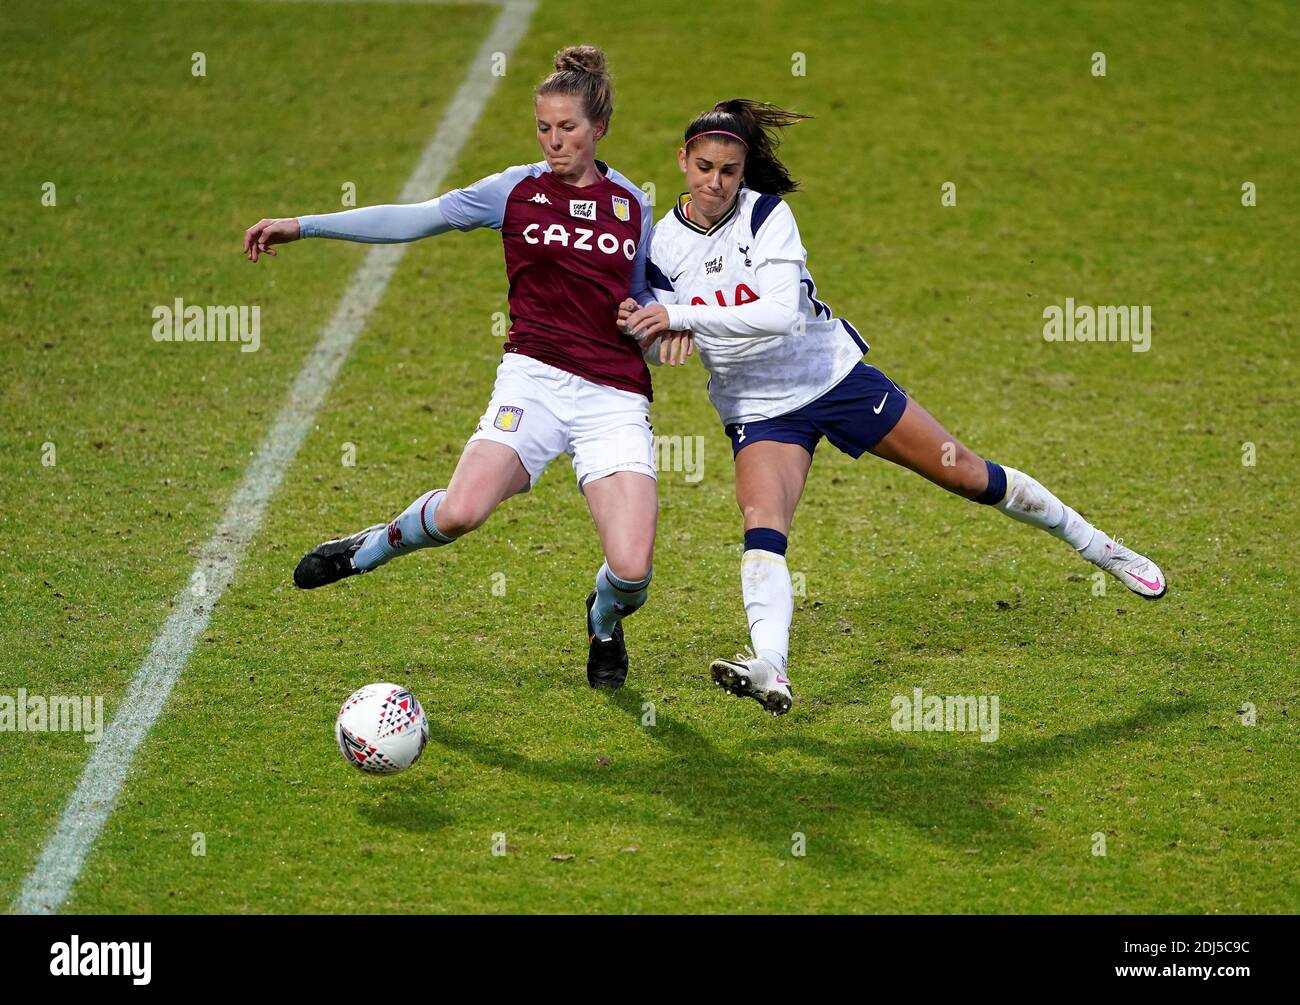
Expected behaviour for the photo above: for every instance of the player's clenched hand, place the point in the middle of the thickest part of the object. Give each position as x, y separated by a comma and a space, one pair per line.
675, 347
625, 310
260, 236
648, 322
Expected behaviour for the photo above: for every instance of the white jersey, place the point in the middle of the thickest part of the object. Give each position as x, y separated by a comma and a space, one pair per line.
751, 378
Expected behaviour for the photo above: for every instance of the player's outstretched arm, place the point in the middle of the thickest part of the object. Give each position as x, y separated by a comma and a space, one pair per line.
479, 205
390, 224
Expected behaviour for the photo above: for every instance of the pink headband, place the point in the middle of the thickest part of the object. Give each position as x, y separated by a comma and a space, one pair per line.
721, 132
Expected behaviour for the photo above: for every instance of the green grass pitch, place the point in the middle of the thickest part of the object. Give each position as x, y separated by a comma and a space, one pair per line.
1118, 717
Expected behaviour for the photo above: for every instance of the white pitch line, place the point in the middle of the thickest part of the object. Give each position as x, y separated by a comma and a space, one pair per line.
48, 884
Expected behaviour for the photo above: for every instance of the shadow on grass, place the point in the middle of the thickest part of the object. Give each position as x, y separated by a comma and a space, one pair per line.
954, 797
410, 808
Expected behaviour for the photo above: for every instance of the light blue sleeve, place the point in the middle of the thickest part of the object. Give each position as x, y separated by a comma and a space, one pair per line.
639, 290
661, 290
379, 224
482, 204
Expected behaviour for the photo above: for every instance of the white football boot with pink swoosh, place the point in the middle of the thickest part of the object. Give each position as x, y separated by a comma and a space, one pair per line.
1137, 572
754, 678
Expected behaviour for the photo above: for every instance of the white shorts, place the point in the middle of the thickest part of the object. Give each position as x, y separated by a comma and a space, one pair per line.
542, 412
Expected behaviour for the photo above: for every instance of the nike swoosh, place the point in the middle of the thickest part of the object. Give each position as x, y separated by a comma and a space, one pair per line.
1150, 586
882, 403
678, 276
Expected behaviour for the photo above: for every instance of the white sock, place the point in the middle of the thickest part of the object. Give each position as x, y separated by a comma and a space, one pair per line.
769, 604
615, 600
1029, 502
414, 528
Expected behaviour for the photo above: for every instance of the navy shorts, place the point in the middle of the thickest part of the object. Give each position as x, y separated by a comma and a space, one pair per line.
854, 415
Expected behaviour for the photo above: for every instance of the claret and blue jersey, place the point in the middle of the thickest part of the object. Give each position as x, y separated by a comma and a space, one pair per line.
572, 256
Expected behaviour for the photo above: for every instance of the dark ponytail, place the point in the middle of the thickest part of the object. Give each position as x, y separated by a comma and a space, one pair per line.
758, 126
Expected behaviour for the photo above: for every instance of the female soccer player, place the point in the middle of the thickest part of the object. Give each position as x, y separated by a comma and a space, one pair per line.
576, 234
727, 263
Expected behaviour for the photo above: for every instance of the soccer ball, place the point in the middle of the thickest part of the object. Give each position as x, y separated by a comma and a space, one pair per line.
381, 729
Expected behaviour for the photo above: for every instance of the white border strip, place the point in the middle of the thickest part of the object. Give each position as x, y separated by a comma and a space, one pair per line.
48, 884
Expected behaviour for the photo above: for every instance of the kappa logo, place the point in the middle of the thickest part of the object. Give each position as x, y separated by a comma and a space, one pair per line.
508, 417
583, 209
622, 209
540, 199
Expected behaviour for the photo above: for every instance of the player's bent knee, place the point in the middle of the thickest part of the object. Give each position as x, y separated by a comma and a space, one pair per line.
630, 565
762, 515
457, 517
